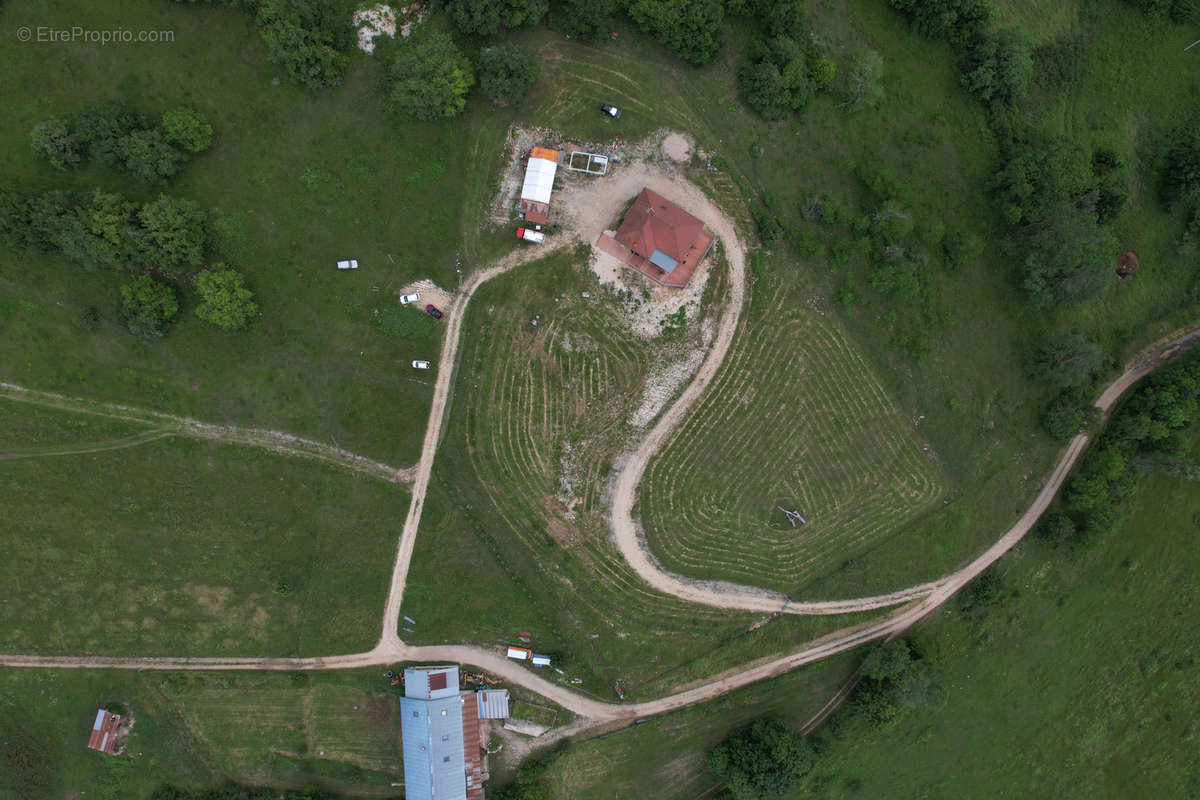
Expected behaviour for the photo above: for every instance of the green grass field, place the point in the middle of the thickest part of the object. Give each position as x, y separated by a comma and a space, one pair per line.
1082, 682
337, 731
796, 420
180, 547
295, 180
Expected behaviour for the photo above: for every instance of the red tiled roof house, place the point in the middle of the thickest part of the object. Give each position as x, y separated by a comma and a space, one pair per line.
660, 240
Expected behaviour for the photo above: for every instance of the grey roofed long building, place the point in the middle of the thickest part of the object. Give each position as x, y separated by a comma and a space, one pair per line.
432, 725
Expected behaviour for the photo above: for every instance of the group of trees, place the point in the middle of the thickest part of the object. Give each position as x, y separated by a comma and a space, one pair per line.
783, 68
120, 137
160, 243
1058, 202
431, 76
1142, 435
766, 759
1177, 10
310, 39
895, 679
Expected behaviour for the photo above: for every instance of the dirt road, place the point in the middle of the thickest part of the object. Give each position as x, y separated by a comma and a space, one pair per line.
171, 425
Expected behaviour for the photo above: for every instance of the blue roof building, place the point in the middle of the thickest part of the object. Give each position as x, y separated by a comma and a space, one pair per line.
432, 725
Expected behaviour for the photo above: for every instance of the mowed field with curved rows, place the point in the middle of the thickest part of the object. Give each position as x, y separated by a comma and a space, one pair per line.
540, 414
795, 419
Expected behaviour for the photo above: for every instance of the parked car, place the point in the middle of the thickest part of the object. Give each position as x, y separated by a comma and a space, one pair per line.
420, 365
611, 111
432, 311
405, 299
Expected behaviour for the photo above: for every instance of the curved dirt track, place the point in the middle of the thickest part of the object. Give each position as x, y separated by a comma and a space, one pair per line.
171, 425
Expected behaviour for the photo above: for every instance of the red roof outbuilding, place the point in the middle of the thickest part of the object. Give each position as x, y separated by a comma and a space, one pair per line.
104, 732
659, 239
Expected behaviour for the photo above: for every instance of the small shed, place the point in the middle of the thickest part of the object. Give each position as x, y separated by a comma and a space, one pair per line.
104, 732
493, 703
540, 660
539, 183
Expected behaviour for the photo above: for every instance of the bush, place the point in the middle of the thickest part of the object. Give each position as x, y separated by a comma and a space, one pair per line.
187, 129
61, 147
224, 299
430, 78
507, 71
147, 306
691, 29
765, 223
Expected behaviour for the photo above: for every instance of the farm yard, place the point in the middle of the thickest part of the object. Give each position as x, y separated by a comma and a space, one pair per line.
797, 420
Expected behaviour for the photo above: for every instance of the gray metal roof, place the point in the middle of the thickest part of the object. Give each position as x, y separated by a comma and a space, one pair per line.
663, 261
493, 703
434, 761
430, 683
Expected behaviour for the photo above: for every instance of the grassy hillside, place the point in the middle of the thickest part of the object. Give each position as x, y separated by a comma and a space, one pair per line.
295, 180
1081, 681
180, 547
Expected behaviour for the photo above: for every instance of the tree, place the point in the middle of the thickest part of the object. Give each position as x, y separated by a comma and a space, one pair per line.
308, 38
172, 234
954, 20
507, 71
187, 129
1039, 175
147, 306
999, 67
765, 760
1063, 418
224, 299
148, 155
55, 140
1069, 257
589, 20
1181, 181
691, 29
487, 17
1065, 359
863, 85
430, 78
775, 80
103, 125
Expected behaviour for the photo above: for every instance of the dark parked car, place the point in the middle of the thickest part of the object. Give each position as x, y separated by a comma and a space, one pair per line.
611, 111
432, 311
